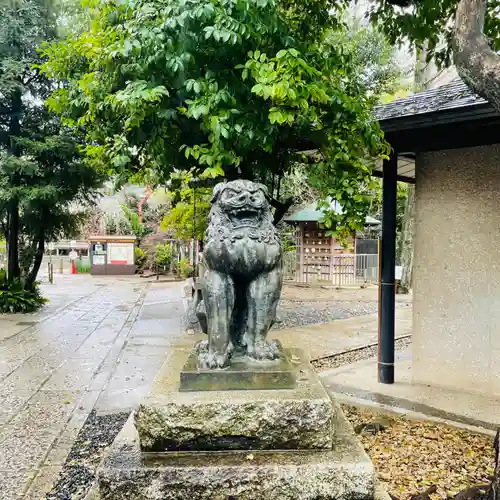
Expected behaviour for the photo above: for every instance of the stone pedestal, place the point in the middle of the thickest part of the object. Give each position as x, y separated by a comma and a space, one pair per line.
244, 374
284, 444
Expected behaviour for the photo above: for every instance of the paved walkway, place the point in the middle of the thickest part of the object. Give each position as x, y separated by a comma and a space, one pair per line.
341, 335
357, 383
98, 344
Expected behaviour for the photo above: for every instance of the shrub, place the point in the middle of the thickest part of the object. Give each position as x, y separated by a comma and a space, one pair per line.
139, 257
82, 267
163, 255
185, 269
15, 299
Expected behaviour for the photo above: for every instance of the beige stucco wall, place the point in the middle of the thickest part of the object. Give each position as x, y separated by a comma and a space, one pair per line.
456, 340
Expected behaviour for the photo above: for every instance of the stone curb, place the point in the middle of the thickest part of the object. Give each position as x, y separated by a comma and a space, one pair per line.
409, 414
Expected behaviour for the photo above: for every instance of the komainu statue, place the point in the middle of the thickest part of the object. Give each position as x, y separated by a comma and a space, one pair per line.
241, 286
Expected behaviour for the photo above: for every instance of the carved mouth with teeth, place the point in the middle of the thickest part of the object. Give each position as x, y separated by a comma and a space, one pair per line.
245, 217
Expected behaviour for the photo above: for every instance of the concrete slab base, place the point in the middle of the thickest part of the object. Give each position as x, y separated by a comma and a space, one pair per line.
342, 473
299, 418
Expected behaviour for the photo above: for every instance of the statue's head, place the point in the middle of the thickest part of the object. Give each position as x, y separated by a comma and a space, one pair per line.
245, 203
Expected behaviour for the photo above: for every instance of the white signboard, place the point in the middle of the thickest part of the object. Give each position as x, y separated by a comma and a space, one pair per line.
121, 253
99, 260
399, 272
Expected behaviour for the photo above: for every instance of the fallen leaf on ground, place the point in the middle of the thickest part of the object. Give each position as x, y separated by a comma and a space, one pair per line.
410, 456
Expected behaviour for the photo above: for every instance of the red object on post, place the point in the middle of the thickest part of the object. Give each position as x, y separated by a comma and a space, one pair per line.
73, 267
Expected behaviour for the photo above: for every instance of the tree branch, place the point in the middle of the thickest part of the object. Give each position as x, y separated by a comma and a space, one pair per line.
477, 64
281, 208
400, 3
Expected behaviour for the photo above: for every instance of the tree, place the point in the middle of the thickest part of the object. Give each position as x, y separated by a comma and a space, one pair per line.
373, 58
375, 68
466, 32
51, 187
181, 219
42, 178
220, 88
401, 200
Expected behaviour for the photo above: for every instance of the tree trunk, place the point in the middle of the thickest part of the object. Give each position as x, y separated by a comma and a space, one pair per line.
423, 69
281, 208
406, 242
37, 262
13, 242
423, 75
476, 62
13, 271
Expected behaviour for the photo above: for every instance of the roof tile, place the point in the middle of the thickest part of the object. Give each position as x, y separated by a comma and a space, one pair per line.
449, 96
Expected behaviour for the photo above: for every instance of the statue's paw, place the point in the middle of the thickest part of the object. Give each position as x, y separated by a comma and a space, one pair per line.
201, 347
263, 350
213, 360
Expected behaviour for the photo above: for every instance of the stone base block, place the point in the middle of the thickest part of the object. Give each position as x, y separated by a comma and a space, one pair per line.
299, 418
343, 473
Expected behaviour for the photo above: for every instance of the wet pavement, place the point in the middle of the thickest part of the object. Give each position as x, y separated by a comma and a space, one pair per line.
356, 383
97, 345
329, 339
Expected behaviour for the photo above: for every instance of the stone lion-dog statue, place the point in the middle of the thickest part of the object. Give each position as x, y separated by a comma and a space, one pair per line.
241, 285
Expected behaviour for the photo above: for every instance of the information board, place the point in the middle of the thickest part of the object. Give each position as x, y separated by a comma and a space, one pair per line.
121, 253
99, 260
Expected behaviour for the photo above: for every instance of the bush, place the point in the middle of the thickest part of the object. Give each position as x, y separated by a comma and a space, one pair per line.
139, 257
185, 269
82, 266
163, 255
15, 299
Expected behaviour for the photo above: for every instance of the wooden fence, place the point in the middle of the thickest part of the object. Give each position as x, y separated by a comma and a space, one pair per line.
336, 269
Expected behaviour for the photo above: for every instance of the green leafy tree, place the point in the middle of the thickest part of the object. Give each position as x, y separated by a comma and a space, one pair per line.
373, 59
375, 68
465, 32
43, 182
51, 188
163, 255
138, 228
180, 220
219, 88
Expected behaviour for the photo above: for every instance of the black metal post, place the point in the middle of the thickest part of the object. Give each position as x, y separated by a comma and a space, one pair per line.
387, 272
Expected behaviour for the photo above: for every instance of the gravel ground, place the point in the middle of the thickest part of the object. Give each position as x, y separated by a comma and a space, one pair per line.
293, 313
346, 358
78, 472
411, 456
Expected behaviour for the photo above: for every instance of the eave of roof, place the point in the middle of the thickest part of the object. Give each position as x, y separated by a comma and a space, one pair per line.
312, 214
452, 99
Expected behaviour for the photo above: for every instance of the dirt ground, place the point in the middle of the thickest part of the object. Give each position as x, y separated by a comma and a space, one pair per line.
411, 456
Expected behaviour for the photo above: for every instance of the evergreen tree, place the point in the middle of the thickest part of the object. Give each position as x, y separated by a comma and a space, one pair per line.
43, 181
